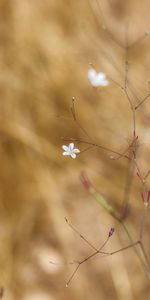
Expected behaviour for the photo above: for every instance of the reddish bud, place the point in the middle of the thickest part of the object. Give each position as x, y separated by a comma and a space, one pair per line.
85, 181
111, 232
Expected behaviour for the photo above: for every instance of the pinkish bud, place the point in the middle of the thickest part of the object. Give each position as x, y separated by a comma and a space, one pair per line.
111, 232
85, 181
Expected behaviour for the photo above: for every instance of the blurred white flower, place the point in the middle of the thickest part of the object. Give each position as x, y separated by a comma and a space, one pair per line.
70, 150
97, 79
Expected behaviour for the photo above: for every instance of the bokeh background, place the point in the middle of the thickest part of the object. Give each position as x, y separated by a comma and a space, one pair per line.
46, 48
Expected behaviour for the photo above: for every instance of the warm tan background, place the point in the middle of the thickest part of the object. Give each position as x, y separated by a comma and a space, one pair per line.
45, 51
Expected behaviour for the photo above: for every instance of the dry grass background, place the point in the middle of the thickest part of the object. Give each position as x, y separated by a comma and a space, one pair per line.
45, 51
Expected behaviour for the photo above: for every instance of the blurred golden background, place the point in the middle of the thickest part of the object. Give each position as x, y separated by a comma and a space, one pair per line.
46, 48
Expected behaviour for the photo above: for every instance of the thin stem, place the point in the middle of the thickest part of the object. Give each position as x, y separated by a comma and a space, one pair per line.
145, 98
146, 34
73, 274
96, 145
73, 111
145, 177
126, 71
98, 250
145, 255
133, 111
130, 102
88, 148
125, 151
79, 263
96, 253
104, 244
126, 59
105, 27
124, 248
127, 190
142, 223
80, 235
131, 240
138, 170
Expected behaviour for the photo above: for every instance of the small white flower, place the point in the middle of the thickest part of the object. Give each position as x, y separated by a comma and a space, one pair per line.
97, 79
70, 150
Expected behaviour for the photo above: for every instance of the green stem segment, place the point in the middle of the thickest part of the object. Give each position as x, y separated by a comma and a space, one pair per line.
102, 201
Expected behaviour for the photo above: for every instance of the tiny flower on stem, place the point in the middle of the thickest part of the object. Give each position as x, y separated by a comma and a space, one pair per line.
70, 150
97, 79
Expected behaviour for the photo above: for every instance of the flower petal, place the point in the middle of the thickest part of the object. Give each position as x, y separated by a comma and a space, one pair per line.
99, 82
65, 148
97, 79
76, 150
71, 146
95, 83
91, 74
73, 155
101, 75
66, 153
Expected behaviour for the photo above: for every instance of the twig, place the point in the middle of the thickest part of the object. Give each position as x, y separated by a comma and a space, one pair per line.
96, 145
145, 98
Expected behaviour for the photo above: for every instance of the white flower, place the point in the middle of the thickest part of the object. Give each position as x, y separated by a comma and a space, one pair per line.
97, 79
70, 150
